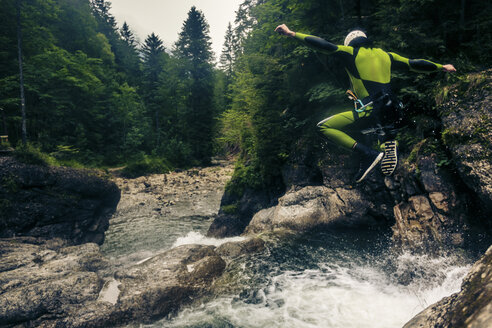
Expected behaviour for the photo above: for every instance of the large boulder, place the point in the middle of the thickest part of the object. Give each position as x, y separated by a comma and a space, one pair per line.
315, 207
236, 211
55, 202
41, 278
45, 283
469, 308
153, 289
430, 212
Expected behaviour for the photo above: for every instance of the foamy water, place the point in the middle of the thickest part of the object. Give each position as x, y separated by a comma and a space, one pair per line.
194, 237
328, 279
342, 290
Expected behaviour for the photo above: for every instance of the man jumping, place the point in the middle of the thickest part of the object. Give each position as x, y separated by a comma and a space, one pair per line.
369, 70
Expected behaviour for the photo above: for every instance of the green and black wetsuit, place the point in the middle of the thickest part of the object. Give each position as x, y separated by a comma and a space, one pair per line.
369, 70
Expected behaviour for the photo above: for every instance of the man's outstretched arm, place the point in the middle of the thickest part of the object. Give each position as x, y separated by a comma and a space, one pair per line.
419, 65
314, 42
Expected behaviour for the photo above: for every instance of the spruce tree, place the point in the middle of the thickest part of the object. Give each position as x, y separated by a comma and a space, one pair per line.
194, 48
154, 57
227, 57
128, 36
101, 8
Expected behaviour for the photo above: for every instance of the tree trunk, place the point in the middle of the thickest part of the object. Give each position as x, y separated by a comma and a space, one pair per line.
21, 73
462, 20
341, 8
5, 132
358, 10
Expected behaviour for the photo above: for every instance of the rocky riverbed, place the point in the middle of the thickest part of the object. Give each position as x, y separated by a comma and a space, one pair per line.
50, 280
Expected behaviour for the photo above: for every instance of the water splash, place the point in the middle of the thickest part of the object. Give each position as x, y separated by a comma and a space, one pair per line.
194, 237
345, 286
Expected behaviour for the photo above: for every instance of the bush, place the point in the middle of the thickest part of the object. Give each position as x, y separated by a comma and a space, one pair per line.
146, 165
31, 154
4, 145
178, 153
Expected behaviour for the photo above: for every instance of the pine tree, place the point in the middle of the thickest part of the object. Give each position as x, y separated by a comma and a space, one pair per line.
154, 55
152, 52
227, 57
21, 73
128, 36
101, 9
194, 48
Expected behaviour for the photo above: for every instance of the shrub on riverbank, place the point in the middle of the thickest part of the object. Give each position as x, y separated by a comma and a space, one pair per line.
146, 165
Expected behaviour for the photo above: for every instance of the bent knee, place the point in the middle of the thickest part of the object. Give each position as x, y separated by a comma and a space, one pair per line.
324, 123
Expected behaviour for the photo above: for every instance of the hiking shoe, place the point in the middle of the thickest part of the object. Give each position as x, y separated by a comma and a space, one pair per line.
390, 158
369, 159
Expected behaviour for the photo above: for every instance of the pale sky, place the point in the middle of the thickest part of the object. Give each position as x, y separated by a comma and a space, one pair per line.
165, 18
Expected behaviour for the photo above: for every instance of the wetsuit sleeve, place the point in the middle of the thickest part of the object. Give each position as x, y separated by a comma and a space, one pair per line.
416, 65
322, 45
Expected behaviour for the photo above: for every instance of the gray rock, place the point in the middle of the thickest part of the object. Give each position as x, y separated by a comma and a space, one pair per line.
54, 202
313, 207
236, 249
36, 280
435, 216
467, 119
469, 308
416, 225
249, 203
63, 286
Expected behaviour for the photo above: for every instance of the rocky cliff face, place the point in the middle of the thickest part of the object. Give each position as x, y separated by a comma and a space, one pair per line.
471, 307
440, 191
467, 131
49, 202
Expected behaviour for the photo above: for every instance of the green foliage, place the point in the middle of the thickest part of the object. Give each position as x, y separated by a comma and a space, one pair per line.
146, 165
4, 145
10, 184
245, 176
230, 209
94, 97
30, 154
280, 89
427, 147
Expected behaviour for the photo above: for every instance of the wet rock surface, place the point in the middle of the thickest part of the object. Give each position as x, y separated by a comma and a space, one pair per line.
48, 282
467, 123
55, 202
43, 278
194, 192
471, 307
313, 207
431, 211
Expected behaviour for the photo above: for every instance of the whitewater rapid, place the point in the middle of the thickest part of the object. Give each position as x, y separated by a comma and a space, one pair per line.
326, 289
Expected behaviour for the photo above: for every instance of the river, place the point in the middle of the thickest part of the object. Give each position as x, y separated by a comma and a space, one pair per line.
321, 279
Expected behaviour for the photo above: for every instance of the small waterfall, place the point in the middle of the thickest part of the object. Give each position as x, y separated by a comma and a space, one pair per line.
330, 281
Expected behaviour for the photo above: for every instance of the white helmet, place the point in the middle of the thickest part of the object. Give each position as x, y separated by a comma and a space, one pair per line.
353, 35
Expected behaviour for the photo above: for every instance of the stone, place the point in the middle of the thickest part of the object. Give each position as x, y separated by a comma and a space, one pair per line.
66, 286
55, 202
469, 308
416, 224
36, 280
467, 134
315, 207
245, 247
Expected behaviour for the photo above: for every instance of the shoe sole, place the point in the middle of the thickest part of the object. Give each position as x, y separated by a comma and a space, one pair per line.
376, 161
390, 158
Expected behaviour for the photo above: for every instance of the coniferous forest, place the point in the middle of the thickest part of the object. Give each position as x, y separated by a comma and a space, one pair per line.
90, 94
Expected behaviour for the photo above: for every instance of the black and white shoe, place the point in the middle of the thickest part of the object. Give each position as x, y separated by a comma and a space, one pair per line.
369, 159
390, 158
